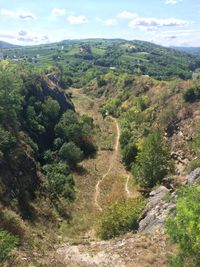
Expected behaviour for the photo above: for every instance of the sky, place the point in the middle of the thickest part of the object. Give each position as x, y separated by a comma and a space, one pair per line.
165, 22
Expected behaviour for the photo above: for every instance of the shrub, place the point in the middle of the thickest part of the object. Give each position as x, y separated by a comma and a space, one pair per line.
60, 182
129, 154
192, 94
120, 217
183, 228
13, 223
7, 243
153, 161
7, 140
71, 153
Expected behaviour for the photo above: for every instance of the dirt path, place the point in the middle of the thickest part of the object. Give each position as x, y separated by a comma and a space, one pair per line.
100, 180
111, 165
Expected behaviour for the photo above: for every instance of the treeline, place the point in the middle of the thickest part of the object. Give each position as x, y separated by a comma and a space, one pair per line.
42, 139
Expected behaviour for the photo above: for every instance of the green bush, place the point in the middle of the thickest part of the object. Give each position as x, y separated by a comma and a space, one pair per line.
13, 223
176, 261
7, 140
153, 161
192, 94
71, 153
60, 182
183, 228
7, 243
120, 217
129, 154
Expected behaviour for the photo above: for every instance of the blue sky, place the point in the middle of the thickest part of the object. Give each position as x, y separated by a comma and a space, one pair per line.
166, 22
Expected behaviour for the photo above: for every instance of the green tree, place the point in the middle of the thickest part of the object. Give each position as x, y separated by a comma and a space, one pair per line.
10, 94
60, 181
7, 140
153, 161
129, 154
184, 227
71, 153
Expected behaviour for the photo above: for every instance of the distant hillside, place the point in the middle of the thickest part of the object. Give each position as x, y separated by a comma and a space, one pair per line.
191, 50
95, 57
7, 45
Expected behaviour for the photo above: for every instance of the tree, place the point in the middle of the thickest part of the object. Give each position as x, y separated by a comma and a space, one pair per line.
60, 181
153, 161
71, 153
183, 228
10, 94
129, 154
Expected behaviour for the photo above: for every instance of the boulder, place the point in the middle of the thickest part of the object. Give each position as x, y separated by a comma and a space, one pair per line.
194, 177
156, 210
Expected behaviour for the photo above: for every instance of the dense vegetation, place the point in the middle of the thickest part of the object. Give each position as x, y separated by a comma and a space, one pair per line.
96, 57
120, 218
183, 228
42, 139
153, 161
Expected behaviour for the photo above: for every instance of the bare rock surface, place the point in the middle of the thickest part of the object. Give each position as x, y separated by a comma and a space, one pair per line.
156, 210
194, 177
131, 250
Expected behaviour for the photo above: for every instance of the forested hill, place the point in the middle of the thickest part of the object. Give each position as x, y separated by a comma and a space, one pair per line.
96, 56
191, 50
7, 45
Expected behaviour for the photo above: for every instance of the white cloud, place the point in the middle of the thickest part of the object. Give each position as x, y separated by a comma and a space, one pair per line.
58, 12
111, 22
75, 20
172, 2
18, 14
107, 22
127, 15
154, 23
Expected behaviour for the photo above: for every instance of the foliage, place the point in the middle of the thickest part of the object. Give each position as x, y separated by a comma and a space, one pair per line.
176, 261
10, 94
129, 154
71, 153
7, 243
192, 94
76, 129
183, 228
7, 140
60, 181
153, 161
121, 217
111, 107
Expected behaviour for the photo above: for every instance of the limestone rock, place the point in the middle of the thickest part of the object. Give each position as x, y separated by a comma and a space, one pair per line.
156, 210
194, 177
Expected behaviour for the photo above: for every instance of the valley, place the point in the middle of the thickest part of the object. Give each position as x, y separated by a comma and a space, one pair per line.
99, 144
102, 179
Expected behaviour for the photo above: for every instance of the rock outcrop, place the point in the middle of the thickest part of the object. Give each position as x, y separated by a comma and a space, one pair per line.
194, 177
50, 88
156, 210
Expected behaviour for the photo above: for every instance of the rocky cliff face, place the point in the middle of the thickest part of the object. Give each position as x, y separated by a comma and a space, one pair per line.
161, 203
44, 87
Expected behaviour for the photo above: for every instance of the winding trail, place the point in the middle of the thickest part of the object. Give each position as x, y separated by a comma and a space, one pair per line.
111, 165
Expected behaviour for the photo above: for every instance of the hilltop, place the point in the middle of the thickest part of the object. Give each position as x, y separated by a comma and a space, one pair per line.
97, 56
7, 45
